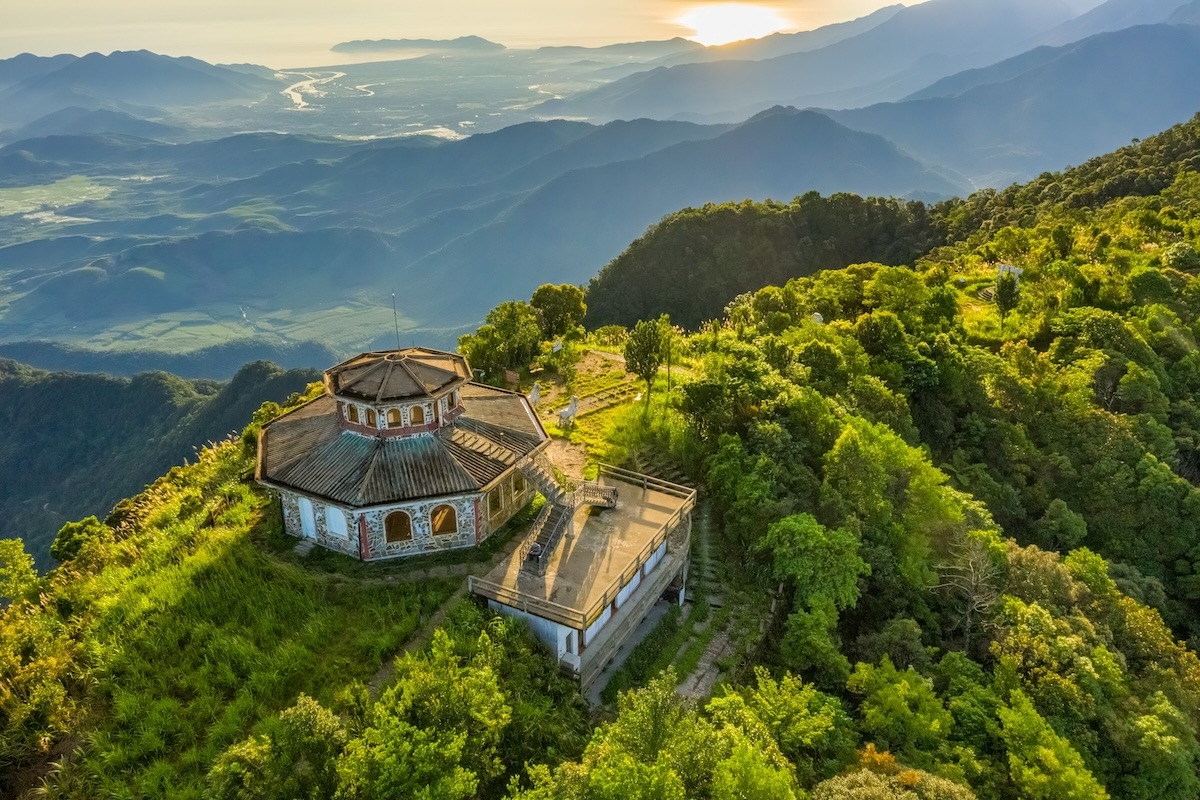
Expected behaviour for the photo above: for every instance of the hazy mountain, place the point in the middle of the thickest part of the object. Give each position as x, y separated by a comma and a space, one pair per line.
237, 156
26, 65
127, 80
1113, 15
914, 47
567, 227
649, 49
219, 362
462, 43
378, 178
779, 44
614, 141
75, 121
245, 266
1186, 15
500, 212
1049, 108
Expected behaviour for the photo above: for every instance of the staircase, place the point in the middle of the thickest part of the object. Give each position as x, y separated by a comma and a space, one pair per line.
563, 496
538, 469
547, 530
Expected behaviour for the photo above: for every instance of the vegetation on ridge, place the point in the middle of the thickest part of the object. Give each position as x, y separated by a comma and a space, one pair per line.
72, 444
987, 532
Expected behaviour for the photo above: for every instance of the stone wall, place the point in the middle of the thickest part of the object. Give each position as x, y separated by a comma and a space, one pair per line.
423, 540
291, 523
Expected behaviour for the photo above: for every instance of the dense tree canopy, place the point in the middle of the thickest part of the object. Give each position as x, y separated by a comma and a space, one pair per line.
981, 536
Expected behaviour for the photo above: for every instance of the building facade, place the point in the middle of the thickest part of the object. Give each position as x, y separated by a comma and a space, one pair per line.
403, 455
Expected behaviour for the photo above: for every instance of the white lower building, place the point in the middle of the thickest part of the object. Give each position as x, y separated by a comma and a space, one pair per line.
586, 591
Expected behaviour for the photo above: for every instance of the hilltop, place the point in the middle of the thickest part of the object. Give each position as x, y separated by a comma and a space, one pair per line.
950, 546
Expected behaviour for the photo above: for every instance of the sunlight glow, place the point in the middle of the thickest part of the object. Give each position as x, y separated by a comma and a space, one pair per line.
721, 23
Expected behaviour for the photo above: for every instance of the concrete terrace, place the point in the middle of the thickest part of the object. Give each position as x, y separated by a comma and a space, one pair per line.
602, 552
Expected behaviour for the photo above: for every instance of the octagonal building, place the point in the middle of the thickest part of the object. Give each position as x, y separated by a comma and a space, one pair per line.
404, 454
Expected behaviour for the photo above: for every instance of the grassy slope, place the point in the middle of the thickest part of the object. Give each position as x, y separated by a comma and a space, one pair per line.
72, 445
172, 638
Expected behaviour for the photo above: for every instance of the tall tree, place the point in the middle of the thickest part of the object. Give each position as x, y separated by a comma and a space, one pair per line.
644, 351
1043, 764
560, 308
1008, 292
508, 339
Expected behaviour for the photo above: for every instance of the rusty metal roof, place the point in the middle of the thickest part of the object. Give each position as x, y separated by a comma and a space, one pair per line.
387, 375
309, 451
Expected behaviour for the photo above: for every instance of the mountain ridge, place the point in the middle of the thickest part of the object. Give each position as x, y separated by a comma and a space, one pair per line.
978, 32
1060, 105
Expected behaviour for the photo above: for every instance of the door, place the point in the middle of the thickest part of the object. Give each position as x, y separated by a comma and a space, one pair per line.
308, 520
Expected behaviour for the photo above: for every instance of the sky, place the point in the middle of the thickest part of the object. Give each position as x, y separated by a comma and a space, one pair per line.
293, 33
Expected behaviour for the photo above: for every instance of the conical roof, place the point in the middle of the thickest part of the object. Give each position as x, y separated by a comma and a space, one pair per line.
390, 375
308, 451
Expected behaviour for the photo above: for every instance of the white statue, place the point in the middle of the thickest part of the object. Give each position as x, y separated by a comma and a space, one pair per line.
566, 417
536, 394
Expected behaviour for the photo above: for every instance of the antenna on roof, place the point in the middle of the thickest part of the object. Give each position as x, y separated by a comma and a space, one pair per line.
396, 320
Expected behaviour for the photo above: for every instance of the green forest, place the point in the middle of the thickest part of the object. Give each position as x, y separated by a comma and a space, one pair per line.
963, 460
73, 444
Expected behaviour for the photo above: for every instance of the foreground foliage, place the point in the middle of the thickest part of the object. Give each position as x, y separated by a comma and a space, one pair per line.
978, 494
459, 720
74, 444
170, 633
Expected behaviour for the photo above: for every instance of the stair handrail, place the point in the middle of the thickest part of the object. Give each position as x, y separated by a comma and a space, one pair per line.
552, 542
535, 529
595, 494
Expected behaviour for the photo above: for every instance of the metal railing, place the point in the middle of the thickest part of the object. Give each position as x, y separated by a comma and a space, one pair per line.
513, 598
648, 482
535, 530
581, 619
593, 494
542, 470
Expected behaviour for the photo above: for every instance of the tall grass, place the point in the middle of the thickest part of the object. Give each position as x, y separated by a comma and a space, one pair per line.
192, 634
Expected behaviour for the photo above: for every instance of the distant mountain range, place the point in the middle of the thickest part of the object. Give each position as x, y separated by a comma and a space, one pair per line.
1049, 107
650, 49
335, 220
26, 65
286, 237
75, 121
124, 81
463, 43
905, 51
1113, 15
1186, 15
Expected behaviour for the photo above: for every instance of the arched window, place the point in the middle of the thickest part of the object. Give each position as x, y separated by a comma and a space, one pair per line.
444, 520
335, 523
398, 527
495, 502
416, 415
518, 484
372, 418
393, 418
352, 413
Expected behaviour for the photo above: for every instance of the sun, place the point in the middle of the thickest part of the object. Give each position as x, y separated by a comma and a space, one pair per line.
721, 23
